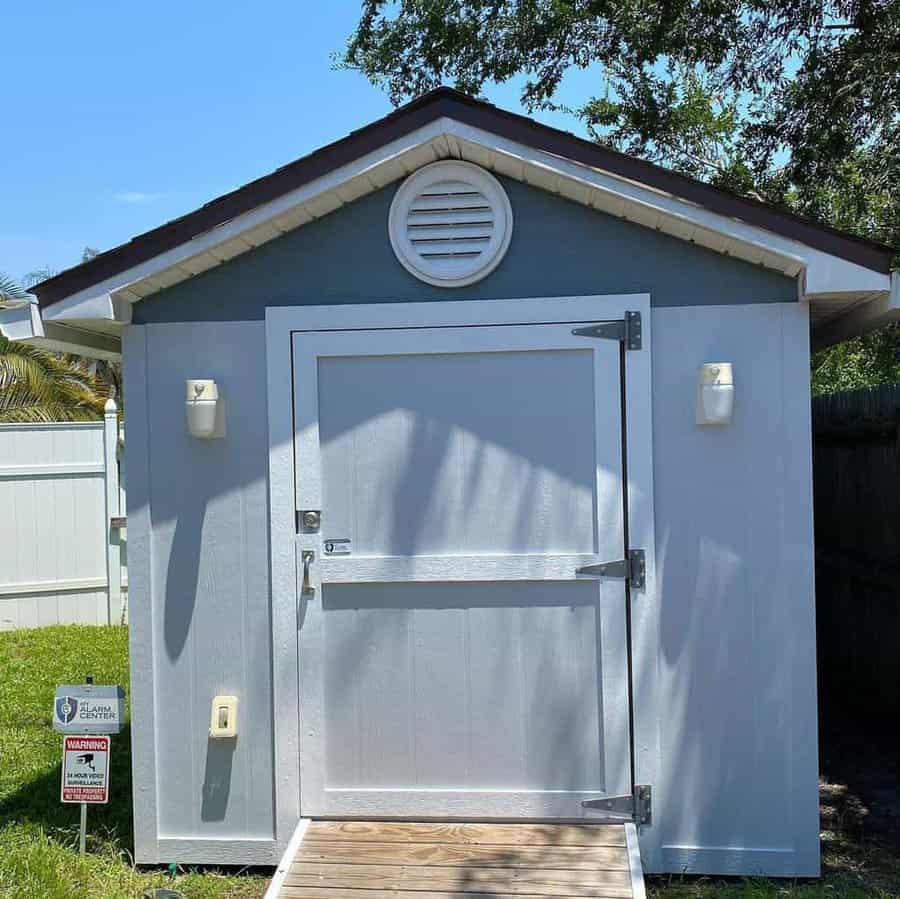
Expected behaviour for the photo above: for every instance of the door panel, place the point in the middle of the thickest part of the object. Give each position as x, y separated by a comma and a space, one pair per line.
451, 663
449, 685
434, 472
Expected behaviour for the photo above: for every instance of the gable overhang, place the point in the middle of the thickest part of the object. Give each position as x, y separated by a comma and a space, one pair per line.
846, 295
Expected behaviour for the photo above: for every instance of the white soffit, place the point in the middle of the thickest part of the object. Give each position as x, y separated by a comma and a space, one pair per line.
821, 274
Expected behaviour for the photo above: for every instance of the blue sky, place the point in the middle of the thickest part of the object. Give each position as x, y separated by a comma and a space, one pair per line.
125, 115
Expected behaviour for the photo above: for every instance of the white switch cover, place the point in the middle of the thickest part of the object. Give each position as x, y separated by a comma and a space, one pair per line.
223, 721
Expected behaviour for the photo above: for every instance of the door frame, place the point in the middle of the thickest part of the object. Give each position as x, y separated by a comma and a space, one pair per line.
281, 322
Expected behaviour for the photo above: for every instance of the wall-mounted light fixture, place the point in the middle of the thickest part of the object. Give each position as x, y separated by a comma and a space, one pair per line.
204, 408
715, 394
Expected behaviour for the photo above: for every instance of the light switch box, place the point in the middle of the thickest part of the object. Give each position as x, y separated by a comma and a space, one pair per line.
223, 721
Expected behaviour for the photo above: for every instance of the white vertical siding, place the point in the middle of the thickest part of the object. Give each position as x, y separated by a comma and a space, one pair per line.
53, 525
737, 792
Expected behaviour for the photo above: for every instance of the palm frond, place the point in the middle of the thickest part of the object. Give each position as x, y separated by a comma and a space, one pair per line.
38, 275
12, 291
37, 385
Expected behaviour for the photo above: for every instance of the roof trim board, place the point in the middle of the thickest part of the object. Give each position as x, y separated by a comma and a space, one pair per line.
859, 317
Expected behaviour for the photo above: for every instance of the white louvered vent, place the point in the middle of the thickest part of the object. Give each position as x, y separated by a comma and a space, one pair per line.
450, 223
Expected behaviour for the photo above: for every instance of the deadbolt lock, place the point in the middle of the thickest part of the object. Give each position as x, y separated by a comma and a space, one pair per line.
312, 519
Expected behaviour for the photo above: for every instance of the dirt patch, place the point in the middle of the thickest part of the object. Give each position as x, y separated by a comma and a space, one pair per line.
860, 785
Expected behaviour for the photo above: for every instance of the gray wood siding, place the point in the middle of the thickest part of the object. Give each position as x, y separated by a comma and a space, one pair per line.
735, 565
559, 248
736, 701
210, 627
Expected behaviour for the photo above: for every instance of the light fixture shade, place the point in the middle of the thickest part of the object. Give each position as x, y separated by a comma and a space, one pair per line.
203, 409
715, 394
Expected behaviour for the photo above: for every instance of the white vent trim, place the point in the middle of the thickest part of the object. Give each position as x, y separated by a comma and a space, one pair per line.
450, 223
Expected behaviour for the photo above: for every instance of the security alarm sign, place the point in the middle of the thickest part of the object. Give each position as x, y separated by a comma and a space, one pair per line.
89, 709
85, 769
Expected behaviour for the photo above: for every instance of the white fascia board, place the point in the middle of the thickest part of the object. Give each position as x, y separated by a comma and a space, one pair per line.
95, 301
91, 305
824, 273
827, 274
861, 319
22, 322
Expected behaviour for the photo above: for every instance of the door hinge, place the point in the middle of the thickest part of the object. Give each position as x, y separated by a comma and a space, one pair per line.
636, 807
633, 568
628, 331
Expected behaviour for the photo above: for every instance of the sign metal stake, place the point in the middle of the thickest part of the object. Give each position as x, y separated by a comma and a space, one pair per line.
82, 836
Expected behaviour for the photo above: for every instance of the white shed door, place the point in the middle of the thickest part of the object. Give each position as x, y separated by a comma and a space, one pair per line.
451, 664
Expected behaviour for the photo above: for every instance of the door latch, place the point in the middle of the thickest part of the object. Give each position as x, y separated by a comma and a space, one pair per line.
311, 519
633, 568
307, 588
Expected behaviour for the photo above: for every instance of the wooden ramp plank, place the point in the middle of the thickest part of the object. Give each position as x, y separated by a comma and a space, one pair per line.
456, 860
291, 892
506, 881
492, 834
574, 858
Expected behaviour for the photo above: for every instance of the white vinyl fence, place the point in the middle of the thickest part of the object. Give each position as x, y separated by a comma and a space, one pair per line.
62, 526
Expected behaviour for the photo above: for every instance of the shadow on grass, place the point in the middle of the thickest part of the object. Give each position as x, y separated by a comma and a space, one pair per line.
37, 802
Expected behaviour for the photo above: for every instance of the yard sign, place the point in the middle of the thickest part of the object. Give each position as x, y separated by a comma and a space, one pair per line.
89, 709
85, 770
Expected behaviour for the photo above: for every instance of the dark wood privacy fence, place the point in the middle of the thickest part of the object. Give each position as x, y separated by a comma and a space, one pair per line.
856, 474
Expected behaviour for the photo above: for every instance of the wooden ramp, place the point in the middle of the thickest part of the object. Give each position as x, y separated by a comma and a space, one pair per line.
407, 860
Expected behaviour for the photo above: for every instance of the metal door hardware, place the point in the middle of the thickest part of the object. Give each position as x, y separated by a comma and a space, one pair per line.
628, 331
337, 546
636, 807
307, 589
633, 568
311, 519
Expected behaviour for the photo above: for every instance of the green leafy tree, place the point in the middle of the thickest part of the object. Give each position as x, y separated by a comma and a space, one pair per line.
37, 386
795, 102
865, 361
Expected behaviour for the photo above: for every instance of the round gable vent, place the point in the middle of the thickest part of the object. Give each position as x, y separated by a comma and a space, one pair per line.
450, 223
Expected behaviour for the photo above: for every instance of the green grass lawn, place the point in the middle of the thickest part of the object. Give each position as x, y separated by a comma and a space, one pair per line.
39, 836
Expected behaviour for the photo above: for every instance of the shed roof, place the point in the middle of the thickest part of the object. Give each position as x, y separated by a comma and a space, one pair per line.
847, 280
447, 102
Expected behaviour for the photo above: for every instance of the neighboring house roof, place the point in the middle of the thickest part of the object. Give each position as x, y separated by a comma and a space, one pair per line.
96, 295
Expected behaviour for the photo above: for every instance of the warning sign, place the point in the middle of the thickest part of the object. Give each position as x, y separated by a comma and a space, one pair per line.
85, 770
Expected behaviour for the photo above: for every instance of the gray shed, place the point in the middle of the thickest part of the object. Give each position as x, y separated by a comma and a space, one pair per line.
491, 502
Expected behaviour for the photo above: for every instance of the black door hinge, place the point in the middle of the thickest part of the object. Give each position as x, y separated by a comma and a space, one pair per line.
627, 330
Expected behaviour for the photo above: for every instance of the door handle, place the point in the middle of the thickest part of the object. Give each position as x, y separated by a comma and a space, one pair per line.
307, 589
